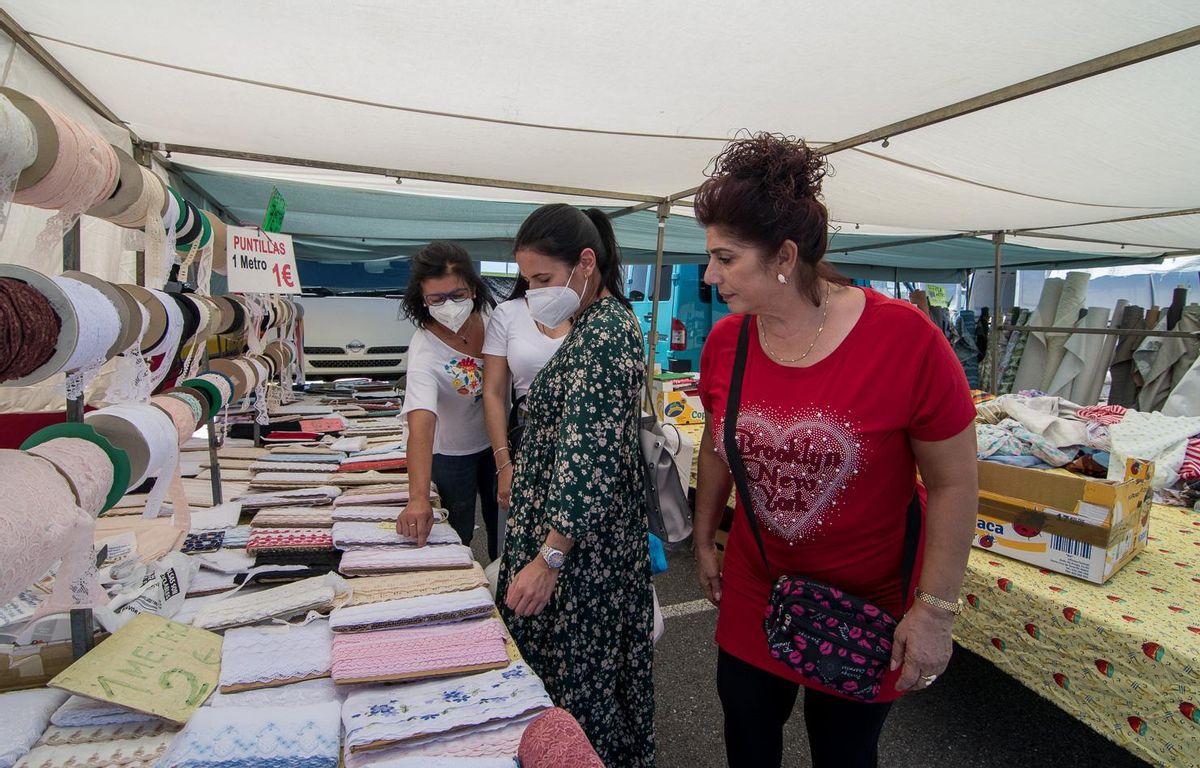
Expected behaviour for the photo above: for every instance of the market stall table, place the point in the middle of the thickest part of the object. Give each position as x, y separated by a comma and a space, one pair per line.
1122, 657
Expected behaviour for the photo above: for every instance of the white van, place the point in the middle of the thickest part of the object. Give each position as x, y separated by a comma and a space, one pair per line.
355, 335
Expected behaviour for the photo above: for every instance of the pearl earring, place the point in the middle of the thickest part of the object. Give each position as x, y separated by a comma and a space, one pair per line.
781, 278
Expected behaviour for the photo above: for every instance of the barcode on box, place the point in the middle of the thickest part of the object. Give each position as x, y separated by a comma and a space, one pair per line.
1070, 546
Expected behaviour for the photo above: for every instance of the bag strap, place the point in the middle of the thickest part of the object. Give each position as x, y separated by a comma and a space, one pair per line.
912, 523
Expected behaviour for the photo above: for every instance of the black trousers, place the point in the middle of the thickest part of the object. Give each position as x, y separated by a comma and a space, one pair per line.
461, 480
757, 704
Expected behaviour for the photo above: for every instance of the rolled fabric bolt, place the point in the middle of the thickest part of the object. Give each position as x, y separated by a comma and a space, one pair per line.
84, 173
199, 413
86, 467
33, 490
181, 414
99, 323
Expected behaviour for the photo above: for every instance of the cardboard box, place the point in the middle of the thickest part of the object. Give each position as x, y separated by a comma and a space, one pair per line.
679, 408
32, 666
1069, 524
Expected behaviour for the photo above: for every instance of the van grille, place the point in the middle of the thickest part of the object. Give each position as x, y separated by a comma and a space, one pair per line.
357, 362
323, 350
387, 350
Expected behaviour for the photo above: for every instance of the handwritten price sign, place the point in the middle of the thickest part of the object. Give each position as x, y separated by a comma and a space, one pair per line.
261, 262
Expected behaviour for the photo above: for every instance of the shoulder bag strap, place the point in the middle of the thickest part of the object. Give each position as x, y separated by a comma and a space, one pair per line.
736, 467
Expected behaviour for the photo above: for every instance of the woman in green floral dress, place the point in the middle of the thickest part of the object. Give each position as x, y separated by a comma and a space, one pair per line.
575, 581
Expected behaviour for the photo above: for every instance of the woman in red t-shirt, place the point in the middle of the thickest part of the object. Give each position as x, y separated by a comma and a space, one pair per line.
846, 394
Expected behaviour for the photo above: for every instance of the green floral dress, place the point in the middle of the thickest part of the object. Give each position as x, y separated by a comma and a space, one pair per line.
579, 472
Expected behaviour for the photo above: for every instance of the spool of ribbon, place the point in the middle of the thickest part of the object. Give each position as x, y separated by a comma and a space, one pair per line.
181, 414
220, 239
84, 173
99, 331
86, 468
18, 150
150, 438
192, 400
223, 384
172, 339
127, 191
116, 458
29, 329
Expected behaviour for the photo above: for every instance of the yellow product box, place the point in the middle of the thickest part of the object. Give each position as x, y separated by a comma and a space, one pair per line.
678, 408
1065, 523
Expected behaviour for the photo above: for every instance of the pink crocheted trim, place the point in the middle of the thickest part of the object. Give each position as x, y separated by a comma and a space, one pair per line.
289, 538
555, 739
418, 652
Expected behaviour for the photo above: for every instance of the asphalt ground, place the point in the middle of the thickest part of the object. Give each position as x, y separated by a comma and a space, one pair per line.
975, 716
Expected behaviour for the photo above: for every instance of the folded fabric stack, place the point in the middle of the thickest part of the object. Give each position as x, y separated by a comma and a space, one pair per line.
361, 534
274, 655
303, 736
413, 611
321, 594
377, 589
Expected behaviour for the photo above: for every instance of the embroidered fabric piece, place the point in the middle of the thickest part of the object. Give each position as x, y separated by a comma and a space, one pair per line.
260, 737
262, 466
367, 514
300, 496
26, 715
383, 716
319, 594
369, 560
57, 737
418, 653
376, 589
327, 559
555, 738
384, 534
261, 657
209, 541
294, 517
143, 752
413, 611
317, 691
289, 539
237, 538
79, 712
482, 745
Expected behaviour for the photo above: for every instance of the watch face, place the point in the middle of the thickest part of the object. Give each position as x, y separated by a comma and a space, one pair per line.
553, 558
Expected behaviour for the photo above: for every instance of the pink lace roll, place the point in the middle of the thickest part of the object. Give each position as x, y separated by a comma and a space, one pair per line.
423, 652
87, 468
555, 739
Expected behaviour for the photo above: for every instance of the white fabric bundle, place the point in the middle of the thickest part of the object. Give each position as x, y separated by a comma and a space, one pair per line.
316, 691
262, 657
358, 534
319, 593
267, 737
26, 715
365, 560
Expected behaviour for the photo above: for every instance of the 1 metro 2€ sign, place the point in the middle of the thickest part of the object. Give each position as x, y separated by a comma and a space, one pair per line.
261, 262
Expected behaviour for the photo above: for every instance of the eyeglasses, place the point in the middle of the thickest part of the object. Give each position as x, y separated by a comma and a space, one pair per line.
438, 299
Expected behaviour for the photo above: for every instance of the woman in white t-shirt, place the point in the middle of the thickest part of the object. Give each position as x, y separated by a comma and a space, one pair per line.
514, 350
443, 402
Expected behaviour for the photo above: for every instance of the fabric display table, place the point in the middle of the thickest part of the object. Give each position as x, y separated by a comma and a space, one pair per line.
1123, 657
333, 629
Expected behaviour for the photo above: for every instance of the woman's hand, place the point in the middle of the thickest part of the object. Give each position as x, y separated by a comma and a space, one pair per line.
708, 570
922, 646
504, 481
416, 521
532, 588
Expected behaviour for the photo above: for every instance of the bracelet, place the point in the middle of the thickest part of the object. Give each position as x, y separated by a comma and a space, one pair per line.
937, 602
503, 467
505, 448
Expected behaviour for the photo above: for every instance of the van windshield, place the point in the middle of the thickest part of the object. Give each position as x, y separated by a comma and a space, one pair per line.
354, 278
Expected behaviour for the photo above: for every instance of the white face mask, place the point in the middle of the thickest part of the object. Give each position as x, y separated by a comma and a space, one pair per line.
453, 314
552, 306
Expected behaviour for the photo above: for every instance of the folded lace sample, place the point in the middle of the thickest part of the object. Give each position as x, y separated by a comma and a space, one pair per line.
481, 746
211, 583
376, 589
419, 653
272, 655
384, 534
413, 611
26, 715
225, 561
142, 751
315, 691
308, 497
294, 517
321, 594
209, 541
368, 514
369, 560
289, 540
79, 712
314, 563
237, 538
384, 716
259, 737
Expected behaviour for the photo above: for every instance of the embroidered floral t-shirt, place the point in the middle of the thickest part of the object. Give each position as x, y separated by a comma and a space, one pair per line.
828, 459
449, 385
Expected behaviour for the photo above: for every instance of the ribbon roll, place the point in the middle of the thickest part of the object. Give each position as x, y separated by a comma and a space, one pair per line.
85, 171
181, 414
192, 402
169, 345
223, 384
148, 432
18, 150
86, 467
99, 324
29, 329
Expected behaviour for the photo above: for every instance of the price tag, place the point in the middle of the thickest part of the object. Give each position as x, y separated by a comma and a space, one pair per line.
261, 262
276, 207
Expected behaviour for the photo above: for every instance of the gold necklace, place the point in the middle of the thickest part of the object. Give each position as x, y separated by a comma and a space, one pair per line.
762, 334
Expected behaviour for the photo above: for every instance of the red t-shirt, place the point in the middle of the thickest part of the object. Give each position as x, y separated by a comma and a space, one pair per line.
829, 463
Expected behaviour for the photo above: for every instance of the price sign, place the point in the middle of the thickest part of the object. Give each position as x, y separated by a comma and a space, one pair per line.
276, 207
261, 262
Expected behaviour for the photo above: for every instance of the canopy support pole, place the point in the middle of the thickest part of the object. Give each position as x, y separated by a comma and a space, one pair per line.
664, 210
997, 315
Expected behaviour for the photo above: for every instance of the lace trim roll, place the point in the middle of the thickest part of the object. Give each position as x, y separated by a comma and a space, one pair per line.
414, 611
263, 737
262, 657
86, 467
18, 150
321, 593
370, 560
418, 653
99, 329
376, 589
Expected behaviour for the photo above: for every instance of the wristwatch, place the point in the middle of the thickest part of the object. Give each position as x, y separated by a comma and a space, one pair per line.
553, 557
956, 608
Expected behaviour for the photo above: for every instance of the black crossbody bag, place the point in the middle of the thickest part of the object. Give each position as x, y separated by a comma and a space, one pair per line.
835, 639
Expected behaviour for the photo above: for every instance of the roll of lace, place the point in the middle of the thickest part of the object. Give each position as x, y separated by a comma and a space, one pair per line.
99, 324
84, 173
132, 423
29, 329
191, 401
182, 416
223, 384
169, 345
33, 490
251, 374
18, 150
148, 203
86, 467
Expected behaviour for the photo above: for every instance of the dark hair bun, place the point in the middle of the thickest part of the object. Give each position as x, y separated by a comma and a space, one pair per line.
787, 169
